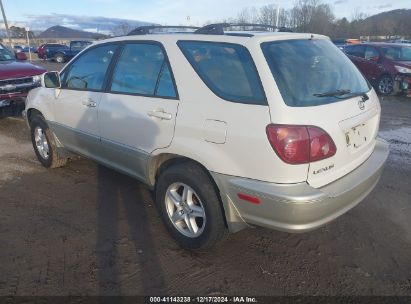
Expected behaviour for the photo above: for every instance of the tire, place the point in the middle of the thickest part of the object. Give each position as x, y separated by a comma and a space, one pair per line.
59, 58
195, 222
44, 144
385, 85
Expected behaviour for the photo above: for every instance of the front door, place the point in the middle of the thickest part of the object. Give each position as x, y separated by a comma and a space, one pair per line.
77, 102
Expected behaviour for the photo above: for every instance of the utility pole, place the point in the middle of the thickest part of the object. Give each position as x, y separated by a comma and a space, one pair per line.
5, 22
28, 40
276, 19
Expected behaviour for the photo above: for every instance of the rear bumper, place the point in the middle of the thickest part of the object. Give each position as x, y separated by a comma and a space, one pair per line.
300, 207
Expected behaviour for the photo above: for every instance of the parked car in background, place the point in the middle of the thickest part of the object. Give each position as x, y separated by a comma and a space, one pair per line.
340, 43
64, 53
24, 48
17, 48
32, 49
386, 65
258, 128
343, 42
402, 41
45, 49
17, 78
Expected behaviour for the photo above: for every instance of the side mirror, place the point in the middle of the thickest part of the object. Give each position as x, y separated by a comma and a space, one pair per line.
21, 56
375, 58
51, 80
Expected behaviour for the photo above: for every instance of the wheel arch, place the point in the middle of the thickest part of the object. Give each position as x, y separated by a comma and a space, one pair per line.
162, 162
31, 112
159, 163
232, 218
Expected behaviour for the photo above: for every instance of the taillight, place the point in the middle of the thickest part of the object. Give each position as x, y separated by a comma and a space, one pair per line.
300, 144
321, 144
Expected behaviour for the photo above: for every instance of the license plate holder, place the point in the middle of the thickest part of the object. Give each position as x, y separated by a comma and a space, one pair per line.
356, 136
4, 103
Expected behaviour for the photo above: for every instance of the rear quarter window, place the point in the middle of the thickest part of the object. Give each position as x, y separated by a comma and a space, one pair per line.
227, 69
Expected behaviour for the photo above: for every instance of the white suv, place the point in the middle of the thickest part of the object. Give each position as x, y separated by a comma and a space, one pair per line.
230, 129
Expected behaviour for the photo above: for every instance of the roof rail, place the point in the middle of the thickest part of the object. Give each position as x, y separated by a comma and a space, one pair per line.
147, 29
218, 28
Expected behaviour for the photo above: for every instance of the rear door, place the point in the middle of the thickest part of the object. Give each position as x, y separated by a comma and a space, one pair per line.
357, 55
137, 115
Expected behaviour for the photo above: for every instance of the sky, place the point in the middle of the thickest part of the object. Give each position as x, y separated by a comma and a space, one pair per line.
21, 12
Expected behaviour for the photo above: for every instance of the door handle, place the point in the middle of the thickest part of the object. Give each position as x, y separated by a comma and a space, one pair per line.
160, 114
90, 103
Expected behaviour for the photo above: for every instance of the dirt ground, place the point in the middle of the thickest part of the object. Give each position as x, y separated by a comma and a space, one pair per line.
87, 230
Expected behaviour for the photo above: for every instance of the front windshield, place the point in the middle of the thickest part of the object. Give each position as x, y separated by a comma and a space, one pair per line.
5, 54
400, 53
311, 72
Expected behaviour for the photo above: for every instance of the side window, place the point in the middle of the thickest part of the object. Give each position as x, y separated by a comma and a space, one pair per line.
143, 69
391, 53
79, 45
356, 50
89, 70
371, 53
227, 69
165, 84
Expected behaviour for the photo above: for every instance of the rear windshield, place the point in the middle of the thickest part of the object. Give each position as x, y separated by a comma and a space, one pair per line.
308, 71
397, 53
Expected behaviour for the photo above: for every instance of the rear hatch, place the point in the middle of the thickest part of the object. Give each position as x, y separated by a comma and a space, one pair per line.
353, 131
321, 87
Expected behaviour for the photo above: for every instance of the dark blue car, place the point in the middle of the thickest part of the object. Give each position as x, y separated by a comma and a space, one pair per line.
63, 53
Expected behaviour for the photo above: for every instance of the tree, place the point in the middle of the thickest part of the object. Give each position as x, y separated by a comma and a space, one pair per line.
268, 14
19, 32
315, 16
122, 29
248, 15
342, 28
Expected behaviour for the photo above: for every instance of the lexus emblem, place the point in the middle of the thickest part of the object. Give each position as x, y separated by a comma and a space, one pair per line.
361, 104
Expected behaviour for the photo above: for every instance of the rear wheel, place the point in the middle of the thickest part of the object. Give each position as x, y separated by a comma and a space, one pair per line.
44, 144
59, 58
190, 207
385, 85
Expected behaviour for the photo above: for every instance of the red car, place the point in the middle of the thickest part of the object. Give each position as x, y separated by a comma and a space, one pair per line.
386, 65
17, 78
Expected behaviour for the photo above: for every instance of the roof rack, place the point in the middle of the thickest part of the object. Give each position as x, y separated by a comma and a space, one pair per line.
148, 29
218, 28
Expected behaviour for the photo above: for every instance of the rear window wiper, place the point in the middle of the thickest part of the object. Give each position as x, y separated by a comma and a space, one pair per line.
333, 93
339, 93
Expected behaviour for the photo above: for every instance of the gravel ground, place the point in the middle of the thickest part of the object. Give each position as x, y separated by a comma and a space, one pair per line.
87, 230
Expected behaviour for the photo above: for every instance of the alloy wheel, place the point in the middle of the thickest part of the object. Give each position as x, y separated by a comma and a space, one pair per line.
386, 85
41, 143
185, 210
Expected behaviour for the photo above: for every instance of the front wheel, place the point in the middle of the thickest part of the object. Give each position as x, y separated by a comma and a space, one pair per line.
385, 85
44, 144
190, 207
